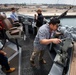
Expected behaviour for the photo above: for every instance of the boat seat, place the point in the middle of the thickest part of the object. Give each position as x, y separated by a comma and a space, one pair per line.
16, 24
16, 31
10, 32
19, 26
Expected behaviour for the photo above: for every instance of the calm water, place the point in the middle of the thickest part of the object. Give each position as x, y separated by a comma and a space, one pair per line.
69, 22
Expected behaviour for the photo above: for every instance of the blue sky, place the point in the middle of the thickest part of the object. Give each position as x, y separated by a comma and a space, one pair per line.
73, 2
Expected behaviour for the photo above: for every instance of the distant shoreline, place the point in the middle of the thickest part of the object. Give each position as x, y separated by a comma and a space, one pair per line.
47, 15
49, 12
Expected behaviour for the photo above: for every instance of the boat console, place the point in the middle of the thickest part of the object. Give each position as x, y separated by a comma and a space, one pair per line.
61, 58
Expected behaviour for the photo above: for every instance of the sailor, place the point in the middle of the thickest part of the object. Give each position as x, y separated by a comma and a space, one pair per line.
39, 19
14, 15
4, 62
43, 38
14, 18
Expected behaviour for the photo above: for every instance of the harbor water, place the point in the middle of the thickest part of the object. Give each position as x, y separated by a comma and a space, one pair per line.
70, 22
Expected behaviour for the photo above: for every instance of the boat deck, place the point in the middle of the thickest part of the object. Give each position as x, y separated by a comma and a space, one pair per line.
73, 63
26, 68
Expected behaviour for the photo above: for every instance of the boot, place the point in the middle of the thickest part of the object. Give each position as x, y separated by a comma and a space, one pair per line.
10, 70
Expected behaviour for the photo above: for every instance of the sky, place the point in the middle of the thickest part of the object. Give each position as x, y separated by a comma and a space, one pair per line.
72, 2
